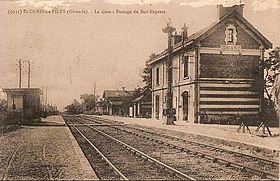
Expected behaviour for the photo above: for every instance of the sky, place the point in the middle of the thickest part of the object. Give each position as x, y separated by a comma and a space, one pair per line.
71, 51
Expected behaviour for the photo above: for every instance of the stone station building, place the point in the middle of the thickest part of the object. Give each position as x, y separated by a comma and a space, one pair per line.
216, 71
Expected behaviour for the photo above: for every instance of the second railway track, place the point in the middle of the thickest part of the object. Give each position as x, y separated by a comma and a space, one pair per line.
171, 150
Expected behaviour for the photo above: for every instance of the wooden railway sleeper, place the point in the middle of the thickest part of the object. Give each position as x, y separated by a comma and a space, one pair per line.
217, 148
202, 156
148, 157
215, 159
228, 164
107, 161
263, 176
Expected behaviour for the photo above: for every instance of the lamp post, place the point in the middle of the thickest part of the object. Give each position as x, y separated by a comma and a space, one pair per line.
169, 102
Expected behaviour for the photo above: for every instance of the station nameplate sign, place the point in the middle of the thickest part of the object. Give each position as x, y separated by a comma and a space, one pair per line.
230, 47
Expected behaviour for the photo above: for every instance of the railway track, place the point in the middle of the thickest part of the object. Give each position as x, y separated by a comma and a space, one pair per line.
118, 159
261, 167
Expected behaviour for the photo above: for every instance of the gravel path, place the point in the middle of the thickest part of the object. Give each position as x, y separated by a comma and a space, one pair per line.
46, 151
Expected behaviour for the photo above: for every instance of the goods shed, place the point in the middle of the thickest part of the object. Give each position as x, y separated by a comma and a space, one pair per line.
24, 101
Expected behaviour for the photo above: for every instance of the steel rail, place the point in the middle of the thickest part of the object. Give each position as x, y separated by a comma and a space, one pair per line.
177, 172
103, 156
204, 144
261, 173
210, 146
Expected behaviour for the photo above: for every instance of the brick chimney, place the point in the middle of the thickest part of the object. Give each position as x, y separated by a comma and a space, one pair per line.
177, 38
185, 31
123, 88
223, 11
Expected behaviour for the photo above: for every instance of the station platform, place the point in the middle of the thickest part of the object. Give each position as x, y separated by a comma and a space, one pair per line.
46, 150
225, 132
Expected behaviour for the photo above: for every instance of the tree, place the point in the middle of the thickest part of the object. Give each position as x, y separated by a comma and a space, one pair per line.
3, 105
271, 68
276, 95
147, 72
271, 85
89, 101
74, 108
3, 111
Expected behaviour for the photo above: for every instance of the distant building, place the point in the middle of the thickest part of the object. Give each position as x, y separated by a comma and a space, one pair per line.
115, 101
24, 100
142, 105
216, 73
101, 107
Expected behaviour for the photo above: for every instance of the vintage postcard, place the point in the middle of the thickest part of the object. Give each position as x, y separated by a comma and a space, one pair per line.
139, 89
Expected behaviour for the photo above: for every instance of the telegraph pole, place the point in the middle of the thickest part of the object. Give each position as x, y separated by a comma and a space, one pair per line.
70, 75
169, 102
94, 89
20, 69
46, 101
29, 62
43, 98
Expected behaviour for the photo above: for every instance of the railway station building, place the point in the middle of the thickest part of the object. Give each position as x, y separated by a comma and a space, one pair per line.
216, 71
141, 106
115, 100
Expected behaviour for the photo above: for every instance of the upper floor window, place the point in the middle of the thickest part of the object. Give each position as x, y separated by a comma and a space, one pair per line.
231, 35
157, 76
186, 66
166, 76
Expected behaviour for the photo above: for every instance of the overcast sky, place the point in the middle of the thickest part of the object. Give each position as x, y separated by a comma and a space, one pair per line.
70, 52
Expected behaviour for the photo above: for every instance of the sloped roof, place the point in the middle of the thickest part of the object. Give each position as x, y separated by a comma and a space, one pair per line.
116, 93
23, 90
144, 95
203, 33
138, 98
115, 102
199, 33
76, 103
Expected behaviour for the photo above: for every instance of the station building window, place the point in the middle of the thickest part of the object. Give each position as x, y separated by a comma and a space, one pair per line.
157, 106
157, 76
186, 67
230, 35
185, 96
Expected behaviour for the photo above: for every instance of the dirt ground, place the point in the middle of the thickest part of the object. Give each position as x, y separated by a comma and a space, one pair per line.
46, 152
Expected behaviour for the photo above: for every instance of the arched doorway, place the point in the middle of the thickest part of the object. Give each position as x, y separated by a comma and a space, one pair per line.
185, 99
